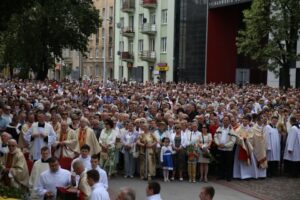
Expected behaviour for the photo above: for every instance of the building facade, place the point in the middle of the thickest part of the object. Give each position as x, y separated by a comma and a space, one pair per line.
100, 56
144, 40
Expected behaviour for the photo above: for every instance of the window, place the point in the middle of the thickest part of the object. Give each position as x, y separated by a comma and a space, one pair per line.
97, 37
111, 11
141, 20
97, 52
121, 46
163, 45
152, 18
141, 45
164, 16
122, 22
103, 52
111, 52
131, 21
152, 44
103, 33
103, 13
91, 53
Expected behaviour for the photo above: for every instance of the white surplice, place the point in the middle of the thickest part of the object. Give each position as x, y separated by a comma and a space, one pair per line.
273, 143
48, 182
293, 144
99, 192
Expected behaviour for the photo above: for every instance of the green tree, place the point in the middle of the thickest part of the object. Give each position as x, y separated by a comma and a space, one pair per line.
270, 36
36, 37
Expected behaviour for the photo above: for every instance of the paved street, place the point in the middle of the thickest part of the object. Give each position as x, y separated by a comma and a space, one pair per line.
176, 190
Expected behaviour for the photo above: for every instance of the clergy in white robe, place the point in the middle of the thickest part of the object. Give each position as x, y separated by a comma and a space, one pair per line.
103, 174
39, 167
49, 180
83, 186
98, 191
84, 157
40, 134
292, 148
245, 164
273, 146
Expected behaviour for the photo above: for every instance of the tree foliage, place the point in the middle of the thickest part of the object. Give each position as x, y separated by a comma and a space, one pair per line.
35, 37
271, 35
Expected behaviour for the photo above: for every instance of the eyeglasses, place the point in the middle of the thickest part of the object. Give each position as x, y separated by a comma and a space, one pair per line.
11, 145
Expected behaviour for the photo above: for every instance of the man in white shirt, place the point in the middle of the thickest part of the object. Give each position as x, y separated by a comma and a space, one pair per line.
84, 157
102, 173
51, 179
153, 191
98, 191
225, 140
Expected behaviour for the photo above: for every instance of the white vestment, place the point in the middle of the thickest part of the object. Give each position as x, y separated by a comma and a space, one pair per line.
37, 143
273, 143
85, 161
99, 192
103, 177
48, 182
243, 169
38, 168
293, 144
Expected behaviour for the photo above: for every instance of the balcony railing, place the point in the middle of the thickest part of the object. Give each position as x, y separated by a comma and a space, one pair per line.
149, 3
148, 29
127, 56
149, 56
128, 31
128, 6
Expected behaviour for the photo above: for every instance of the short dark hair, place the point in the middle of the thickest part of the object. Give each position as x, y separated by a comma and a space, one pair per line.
165, 138
155, 186
95, 156
44, 148
109, 122
275, 117
209, 190
93, 174
52, 160
293, 120
85, 147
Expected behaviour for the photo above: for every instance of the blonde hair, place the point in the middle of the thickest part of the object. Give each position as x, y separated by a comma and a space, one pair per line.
281, 129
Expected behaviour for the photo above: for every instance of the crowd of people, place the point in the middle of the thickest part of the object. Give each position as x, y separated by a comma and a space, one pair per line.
83, 133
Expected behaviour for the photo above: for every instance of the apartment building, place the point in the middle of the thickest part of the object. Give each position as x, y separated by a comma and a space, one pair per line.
100, 55
144, 40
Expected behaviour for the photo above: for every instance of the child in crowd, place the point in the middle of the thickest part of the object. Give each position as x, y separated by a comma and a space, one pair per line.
166, 158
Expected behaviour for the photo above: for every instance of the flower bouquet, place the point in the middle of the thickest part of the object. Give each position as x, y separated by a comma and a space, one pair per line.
191, 152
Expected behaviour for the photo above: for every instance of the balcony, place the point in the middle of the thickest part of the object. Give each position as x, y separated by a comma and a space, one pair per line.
149, 4
128, 31
127, 56
149, 29
128, 6
148, 56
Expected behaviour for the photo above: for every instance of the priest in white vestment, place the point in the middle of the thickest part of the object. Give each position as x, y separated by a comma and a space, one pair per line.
40, 134
39, 167
51, 179
98, 191
245, 164
292, 148
273, 146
